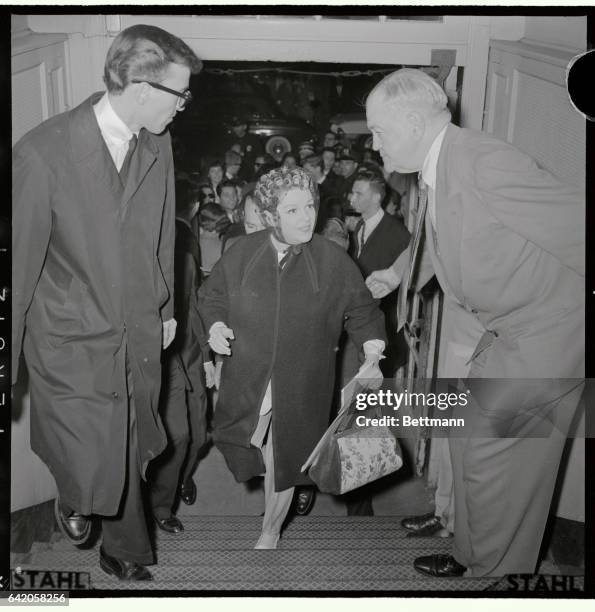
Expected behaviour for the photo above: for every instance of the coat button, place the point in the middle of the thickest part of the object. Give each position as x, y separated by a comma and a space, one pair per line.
146, 359
115, 395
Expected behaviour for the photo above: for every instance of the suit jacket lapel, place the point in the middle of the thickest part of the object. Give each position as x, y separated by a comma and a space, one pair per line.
449, 218
372, 235
89, 148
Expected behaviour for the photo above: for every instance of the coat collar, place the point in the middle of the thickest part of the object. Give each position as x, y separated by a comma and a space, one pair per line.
451, 135
266, 250
449, 223
89, 148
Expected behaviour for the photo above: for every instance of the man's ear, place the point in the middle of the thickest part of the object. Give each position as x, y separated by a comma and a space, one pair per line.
140, 92
417, 123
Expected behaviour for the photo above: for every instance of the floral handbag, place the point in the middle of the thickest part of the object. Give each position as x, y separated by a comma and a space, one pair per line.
349, 455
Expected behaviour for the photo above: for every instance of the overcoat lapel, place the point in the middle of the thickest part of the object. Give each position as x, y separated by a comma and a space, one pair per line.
90, 150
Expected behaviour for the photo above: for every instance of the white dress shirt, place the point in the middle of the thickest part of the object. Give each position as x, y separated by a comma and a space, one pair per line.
115, 132
428, 173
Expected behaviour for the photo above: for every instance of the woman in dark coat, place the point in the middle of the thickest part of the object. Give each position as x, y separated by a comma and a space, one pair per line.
275, 304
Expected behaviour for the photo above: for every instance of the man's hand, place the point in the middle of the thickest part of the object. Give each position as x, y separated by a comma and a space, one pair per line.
209, 367
169, 332
219, 337
382, 282
218, 367
213, 374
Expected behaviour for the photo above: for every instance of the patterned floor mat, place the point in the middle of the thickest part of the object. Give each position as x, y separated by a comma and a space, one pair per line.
316, 553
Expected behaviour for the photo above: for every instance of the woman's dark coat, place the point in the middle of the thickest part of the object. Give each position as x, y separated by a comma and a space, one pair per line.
287, 325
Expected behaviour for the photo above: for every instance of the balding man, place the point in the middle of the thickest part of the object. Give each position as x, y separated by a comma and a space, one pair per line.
505, 241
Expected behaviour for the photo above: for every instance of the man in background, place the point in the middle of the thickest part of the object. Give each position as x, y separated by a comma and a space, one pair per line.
377, 241
183, 401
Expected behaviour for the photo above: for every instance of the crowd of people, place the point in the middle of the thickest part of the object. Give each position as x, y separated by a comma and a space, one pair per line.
134, 294
224, 187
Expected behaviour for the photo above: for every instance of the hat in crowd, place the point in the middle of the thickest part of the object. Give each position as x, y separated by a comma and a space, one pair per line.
232, 158
238, 120
348, 153
305, 150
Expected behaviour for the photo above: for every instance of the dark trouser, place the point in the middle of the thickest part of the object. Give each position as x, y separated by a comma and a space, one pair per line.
183, 419
125, 536
503, 492
197, 419
359, 502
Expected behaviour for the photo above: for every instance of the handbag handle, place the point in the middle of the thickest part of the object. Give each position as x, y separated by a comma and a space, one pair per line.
351, 415
347, 395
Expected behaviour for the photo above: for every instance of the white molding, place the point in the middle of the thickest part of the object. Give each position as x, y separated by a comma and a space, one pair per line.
25, 41
323, 40
555, 55
475, 74
87, 25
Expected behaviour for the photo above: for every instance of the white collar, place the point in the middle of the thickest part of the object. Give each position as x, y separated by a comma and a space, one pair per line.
110, 124
428, 169
373, 221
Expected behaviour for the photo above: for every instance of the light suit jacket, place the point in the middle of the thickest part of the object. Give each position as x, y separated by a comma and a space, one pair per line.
509, 245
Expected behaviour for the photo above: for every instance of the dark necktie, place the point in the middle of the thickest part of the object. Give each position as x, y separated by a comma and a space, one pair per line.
414, 252
284, 259
294, 249
358, 245
124, 170
362, 238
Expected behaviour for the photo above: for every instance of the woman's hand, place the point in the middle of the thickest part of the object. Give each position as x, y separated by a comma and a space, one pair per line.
169, 332
219, 337
370, 375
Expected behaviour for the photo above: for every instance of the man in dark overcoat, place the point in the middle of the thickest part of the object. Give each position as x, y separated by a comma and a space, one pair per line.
276, 304
93, 241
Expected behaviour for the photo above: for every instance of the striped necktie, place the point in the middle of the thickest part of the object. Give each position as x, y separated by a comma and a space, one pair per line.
362, 238
414, 252
284, 259
359, 236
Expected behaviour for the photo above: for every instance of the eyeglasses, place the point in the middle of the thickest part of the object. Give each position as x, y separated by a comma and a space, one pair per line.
185, 97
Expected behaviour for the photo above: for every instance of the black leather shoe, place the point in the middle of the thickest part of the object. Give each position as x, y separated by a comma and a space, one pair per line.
74, 526
123, 570
423, 521
171, 524
433, 530
305, 500
439, 566
188, 492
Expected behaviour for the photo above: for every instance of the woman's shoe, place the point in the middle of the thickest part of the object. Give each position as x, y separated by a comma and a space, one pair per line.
267, 541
